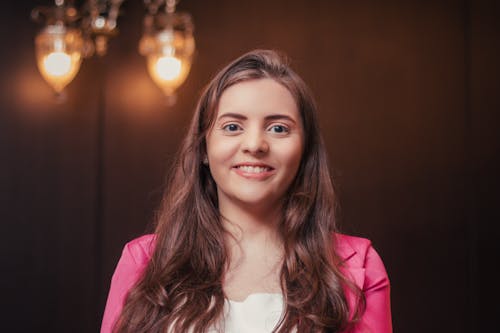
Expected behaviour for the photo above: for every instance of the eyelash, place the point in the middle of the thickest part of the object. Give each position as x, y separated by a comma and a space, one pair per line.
285, 129
226, 127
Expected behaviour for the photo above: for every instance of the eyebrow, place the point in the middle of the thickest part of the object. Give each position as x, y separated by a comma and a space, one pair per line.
269, 117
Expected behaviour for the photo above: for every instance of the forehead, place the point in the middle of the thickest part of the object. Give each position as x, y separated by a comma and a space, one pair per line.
255, 97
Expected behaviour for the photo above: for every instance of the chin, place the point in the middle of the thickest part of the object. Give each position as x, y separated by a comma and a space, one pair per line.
257, 200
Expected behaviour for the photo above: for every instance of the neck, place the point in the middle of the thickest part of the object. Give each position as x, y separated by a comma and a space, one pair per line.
255, 249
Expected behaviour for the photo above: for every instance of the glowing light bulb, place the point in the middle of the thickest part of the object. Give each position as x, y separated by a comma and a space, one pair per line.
169, 49
59, 55
168, 68
57, 63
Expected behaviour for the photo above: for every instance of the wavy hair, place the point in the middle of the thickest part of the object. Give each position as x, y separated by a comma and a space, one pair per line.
181, 289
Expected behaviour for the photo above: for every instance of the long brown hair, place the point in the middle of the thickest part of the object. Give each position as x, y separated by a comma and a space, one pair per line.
182, 288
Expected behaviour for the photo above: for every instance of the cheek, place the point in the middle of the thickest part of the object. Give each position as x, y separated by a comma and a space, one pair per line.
291, 157
219, 151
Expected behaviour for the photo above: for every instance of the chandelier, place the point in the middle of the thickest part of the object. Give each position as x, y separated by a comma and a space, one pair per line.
70, 34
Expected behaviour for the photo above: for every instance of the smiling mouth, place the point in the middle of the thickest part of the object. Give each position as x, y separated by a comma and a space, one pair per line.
253, 169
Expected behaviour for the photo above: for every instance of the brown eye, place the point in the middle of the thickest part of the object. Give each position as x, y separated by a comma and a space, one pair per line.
279, 129
231, 128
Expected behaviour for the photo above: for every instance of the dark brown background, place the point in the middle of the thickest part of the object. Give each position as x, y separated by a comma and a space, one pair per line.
408, 97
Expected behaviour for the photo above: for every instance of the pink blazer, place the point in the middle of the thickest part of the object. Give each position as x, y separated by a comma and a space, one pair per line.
362, 264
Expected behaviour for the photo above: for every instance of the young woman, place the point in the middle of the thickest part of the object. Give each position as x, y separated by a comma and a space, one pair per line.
246, 240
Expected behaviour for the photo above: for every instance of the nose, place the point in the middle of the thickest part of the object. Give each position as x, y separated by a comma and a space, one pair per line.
255, 142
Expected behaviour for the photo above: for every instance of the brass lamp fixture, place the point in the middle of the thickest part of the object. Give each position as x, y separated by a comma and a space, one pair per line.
59, 46
168, 45
70, 34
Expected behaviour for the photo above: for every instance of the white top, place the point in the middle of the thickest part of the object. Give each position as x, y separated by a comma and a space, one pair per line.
258, 313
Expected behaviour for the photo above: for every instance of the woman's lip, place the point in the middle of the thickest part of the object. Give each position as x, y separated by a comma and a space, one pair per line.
253, 164
248, 170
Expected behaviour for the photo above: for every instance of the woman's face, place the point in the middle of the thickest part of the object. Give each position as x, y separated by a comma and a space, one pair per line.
255, 146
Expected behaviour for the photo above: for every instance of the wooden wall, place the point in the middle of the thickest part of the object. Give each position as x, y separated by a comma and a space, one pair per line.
408, 98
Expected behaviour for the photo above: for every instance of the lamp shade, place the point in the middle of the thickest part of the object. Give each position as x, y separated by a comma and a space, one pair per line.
169, 51
59, 54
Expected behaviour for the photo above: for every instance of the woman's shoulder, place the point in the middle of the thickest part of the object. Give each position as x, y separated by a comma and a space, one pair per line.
140, 249
134, 259
351, 248
362, 265
360, 257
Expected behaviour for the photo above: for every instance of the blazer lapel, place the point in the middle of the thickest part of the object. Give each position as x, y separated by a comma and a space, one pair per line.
352, 267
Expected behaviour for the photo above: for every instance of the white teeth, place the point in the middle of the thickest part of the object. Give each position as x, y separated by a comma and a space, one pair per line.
253, 169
